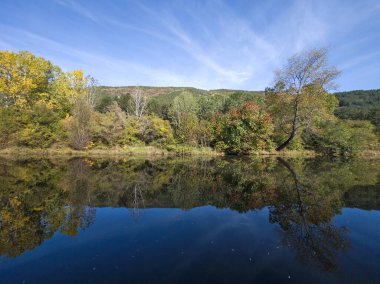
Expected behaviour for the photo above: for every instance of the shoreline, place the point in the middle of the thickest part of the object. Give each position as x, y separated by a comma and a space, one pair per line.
146, 151
150, 151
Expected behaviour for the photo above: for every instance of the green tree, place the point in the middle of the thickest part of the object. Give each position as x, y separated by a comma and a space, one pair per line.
209, 106
42, 127
130, 136
183, 105
238, 98
187, 130
70, 86
152, 129
109, 127
103, 102
203, 133
79, 125
124, 102
299, 96
341, 137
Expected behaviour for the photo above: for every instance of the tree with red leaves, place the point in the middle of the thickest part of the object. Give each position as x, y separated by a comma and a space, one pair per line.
243, 130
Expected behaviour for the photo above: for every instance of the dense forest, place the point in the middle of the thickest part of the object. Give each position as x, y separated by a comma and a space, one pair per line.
360, 105
43, 107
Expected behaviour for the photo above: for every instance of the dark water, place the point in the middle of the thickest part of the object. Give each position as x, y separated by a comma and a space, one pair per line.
190, 221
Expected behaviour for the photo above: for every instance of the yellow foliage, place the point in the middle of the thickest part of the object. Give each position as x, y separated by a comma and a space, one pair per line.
24, 78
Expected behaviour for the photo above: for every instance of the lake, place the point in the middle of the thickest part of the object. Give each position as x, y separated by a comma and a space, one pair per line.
189, 220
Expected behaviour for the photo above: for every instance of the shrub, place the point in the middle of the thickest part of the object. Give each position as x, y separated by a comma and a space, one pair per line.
39, 127
109, 127
152, 129
130, 132
341, 137
243, 130
79, 125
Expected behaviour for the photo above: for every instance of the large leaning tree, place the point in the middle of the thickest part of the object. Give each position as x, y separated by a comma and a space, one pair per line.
300, 94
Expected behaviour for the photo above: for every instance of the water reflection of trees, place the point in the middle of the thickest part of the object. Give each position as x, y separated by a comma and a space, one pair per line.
39, 198
31, 206
306, 225
79, 214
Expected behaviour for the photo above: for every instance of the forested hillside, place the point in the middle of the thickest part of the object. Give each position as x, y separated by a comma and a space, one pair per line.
359, 98
349, 100
353, 105
360, 105
160, 98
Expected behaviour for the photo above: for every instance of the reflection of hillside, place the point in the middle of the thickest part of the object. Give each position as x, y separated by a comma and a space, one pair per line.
39, 198
363, 196
235, 184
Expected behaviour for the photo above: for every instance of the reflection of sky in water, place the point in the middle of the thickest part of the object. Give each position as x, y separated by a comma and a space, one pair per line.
202, 244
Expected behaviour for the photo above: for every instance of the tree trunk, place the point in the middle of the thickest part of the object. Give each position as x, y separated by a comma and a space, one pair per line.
287, 142
294, 126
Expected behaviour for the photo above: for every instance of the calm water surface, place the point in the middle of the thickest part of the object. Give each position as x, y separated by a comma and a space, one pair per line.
189, 221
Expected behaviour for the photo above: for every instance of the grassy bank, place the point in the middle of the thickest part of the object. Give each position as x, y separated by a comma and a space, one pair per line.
104, 152
145, 151
150, 151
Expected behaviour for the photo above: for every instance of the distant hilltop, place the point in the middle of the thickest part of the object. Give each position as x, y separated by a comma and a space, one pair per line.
354, 98
156, 91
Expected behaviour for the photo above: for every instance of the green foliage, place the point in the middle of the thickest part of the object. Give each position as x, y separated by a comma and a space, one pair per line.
299, 97
68, 87
161, 104
41, 107
314, 105
184, 105
243, 130
341, 137
35, 96
124, 102
10, 123
80, 124
210, 105
38, 127
237, 99
149, 130
103, 102
42, 128
154, 130
359, 98
109, 127
131, 132
203, 133
187, 130
374, 117
360, 105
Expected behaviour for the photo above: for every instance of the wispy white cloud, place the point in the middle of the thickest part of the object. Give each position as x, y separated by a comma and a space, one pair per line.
360, 60
120, 69
78, 8
205, 44
176, 36
189, 45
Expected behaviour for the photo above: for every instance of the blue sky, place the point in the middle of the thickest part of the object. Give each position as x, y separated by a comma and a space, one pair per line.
205, 44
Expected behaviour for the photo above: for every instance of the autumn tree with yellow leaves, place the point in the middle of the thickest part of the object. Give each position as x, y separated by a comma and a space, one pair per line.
35, 96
